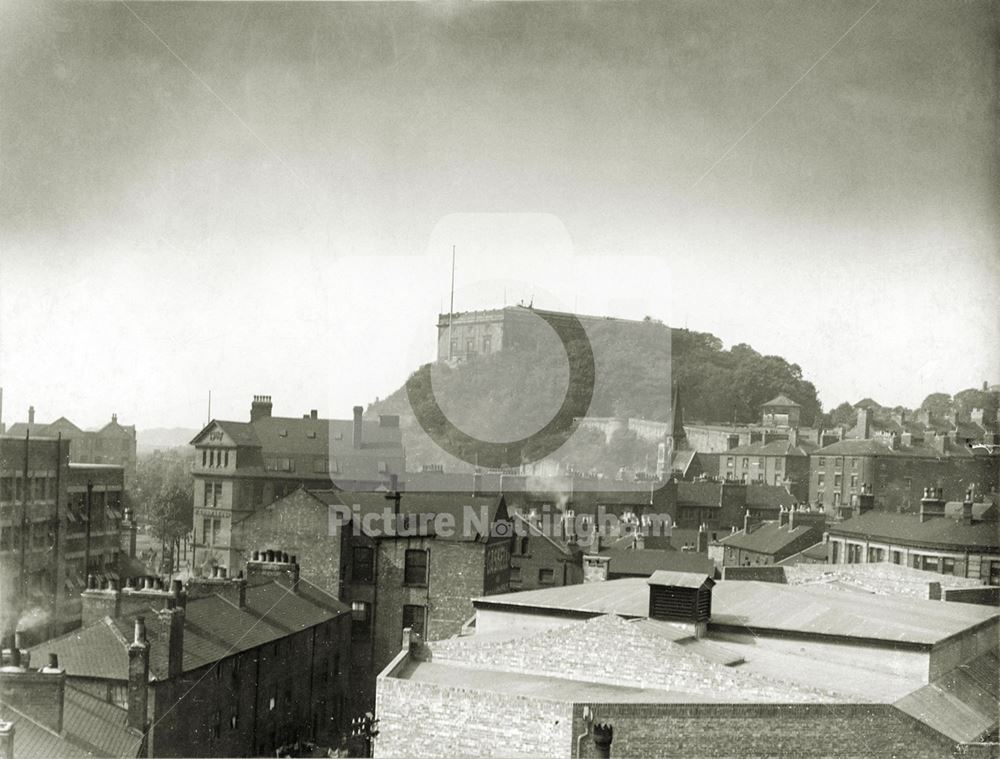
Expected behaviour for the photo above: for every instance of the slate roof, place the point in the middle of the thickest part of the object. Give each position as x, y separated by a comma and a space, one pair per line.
646, 561
91, 727
770, 496
878, 448
699, 493
680, 579
298, 436
213, 629
771, 538
774, 448
907, 529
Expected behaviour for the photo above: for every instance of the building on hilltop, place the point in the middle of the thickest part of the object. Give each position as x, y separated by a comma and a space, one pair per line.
226, 666
463, 335
675, 664
240, 467
897, 474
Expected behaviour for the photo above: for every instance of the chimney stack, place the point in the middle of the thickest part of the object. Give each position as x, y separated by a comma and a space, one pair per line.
274, 565
782, 516
314, 413
138, 678
6, 728
932, 504
31, 414
967, 508
358, 411
260, 408
703, 539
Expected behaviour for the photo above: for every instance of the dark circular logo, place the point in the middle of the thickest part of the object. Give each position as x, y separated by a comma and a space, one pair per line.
472, 450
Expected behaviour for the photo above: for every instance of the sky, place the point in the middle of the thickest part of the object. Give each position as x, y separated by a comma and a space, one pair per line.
262, 198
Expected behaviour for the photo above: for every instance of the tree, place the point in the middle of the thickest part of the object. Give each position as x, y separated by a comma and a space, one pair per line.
938, 404
844, 415
164, 495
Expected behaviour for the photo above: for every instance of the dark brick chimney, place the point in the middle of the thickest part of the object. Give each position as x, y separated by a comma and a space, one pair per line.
37, 693
967, 507
358, 411
233, 589
260, 408
703, 539
932, 504
166, 655
31, 414
138, 678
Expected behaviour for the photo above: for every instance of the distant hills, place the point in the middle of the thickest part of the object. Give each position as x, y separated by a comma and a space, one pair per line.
163, 437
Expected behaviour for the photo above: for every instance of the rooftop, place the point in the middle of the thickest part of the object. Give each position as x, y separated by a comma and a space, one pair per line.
91, 727
882, 578
908, 529
781, 400
213, 629
644, 562
772, 538
806, 611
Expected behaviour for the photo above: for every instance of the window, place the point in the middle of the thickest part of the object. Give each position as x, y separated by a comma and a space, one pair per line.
760, 461
486, 344
210, 529
470, 346
360, 620
204, 457
896, 557
321, 466
777, 479
524, 546
225, 460
778, 463
854, 463
279, 465
854, 480
515, 574
216, 724
730, 462
362, 564
383, 467
837, 479
213, 493
929, 563
454, 347
994, 572
413, 617
876, 555
820, 479
545, 576
947, 566
415, 572
836, 498
822, 460
746, 462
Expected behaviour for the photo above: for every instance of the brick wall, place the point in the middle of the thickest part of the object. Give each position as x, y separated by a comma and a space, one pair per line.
726, 730
426, 719
298, 524
295, 687
987, 595
761, 573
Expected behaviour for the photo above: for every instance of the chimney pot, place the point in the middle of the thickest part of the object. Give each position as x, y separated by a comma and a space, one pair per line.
256, 555
270, 555
140, 630
31, 414
294, 559
314, 414
284, 557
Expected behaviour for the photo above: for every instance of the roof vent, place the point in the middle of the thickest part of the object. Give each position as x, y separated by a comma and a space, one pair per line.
680, 597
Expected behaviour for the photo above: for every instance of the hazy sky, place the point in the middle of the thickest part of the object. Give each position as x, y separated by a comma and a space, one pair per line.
262, 198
